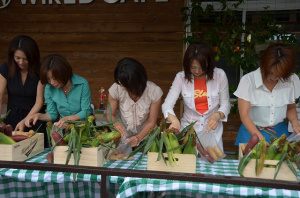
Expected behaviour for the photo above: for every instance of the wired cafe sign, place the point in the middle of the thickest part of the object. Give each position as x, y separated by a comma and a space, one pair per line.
5, 3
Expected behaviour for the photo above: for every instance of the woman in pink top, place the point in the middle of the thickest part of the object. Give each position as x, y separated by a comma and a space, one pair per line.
137, 99
205, 93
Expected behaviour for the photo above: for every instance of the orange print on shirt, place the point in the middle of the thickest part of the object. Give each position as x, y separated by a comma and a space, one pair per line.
200, 95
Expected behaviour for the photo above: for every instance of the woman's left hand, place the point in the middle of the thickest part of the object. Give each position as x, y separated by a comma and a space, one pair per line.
212, 122
61, 124
133, 141
296, 128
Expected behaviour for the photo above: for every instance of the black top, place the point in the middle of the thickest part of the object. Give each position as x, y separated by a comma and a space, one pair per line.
20, 98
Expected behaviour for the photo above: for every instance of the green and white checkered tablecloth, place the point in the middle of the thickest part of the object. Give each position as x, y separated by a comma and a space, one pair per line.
33, 183
138, 187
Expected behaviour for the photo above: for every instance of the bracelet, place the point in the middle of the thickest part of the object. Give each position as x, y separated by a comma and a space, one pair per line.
137, 138
219, 114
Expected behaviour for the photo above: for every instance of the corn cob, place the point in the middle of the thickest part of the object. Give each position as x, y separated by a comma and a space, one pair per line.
257, 149
189, 148
154, 147
279, 155
167, 143
110, 136
262, 157
4, 139
274, 147
186, 137
174, 142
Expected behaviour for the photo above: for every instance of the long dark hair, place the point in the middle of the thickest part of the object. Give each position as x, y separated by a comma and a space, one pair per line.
132, 75
202, 52
27, 45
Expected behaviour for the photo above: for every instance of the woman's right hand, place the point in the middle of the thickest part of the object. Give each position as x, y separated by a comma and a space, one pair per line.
119, 127
174, 122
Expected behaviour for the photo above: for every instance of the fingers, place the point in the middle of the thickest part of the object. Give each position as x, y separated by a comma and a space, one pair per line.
119, 127
133, 141
20, 126
211, 125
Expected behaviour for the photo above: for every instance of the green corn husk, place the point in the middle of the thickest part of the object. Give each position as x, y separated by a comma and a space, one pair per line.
168, 146
253, 154
257, 149
279, 155
4, 139
3, 118
275, 147
154, 147
186, 129
189, 148
260, 166
174, 143
106, 137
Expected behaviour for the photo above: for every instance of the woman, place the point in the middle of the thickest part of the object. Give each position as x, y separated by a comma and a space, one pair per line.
205, 93
138, 101
20, 76
267, 95
67, 95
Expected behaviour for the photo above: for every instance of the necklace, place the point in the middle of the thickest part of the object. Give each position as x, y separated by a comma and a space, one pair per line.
66, 89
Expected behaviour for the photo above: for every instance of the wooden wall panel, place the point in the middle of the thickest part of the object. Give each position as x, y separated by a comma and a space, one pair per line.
95, 36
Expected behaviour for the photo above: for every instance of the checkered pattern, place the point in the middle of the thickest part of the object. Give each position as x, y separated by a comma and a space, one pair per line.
38, 184
46, 184
138, 187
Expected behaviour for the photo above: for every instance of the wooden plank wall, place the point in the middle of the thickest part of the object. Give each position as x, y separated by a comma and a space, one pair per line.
95, 36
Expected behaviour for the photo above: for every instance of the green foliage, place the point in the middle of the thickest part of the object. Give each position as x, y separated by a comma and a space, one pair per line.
239, 43
223, 28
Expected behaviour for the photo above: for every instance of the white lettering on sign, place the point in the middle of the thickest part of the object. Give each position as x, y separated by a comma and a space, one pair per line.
136, 1
5, 3
33, 2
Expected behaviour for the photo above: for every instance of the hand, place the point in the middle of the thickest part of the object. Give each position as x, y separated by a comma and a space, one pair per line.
33, 118
119, 127
175, 124
20, 126
296, 127
133, 141
61, 123
212, 122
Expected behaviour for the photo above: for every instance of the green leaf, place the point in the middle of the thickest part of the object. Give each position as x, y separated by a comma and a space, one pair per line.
187, 128
152, 136
243, 163
3, 118
290, 165
279, 164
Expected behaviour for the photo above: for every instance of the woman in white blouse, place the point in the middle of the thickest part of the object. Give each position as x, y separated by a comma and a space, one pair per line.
138, 101
267, 95
205, 93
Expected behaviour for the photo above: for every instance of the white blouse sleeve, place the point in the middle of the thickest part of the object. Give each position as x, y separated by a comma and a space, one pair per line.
156, 93
170, 101
296, 84
243, 91
113, 91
